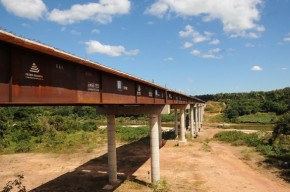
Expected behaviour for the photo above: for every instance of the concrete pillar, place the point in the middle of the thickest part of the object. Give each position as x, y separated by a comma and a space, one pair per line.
202, 114
195, 120
176, 123
160, 130
192, 133
154, 147
199, 117
112, 155
182, 126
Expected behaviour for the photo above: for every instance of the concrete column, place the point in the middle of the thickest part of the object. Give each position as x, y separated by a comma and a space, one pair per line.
199, 117
182, 126
192, 134
154, 147
112, 155
160, 130
176, 123
202, 114
195, 120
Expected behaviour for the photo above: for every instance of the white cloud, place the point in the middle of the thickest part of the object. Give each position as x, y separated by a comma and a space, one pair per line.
169, 59
215, 42
239, 18
115, 51
101, 12
256, 68
216, 50
195, 52
132, 52
211, 54
30, 9
150, 23
187, 45
189, 31
25, 25
96, 31
284, 68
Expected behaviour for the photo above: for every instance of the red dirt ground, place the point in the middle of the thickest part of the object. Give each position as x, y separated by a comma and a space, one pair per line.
196, 166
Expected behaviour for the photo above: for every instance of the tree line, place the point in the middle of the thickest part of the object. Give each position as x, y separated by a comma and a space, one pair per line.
239, 104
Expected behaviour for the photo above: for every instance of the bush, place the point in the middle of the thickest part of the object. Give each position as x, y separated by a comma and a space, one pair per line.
89, 126
129, 134
23, 147
240, 138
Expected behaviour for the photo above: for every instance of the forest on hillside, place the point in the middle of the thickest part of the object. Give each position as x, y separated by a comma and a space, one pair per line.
239, 104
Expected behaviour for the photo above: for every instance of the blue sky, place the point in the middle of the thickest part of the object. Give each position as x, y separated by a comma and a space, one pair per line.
192, 46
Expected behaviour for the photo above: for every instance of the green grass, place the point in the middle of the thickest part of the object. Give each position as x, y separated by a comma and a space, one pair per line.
215, 119
260, 140
263, 118
258, 127
214, 107
62, 142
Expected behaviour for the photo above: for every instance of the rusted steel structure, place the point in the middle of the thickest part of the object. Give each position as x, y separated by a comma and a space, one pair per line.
35, 74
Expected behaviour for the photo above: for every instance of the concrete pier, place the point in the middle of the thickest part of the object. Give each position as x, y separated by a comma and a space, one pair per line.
112, 155
154, 147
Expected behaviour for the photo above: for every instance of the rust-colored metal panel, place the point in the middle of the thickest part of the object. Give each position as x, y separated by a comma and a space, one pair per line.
117, 85
145, 100
89, 85
5, 72
38, 78
145, 91
159, 101
111, 98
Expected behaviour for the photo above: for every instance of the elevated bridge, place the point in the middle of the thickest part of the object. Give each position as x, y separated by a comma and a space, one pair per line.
35, 74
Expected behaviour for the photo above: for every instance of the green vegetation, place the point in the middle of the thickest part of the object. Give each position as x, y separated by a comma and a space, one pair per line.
214, 107
275, 147
243, 104
261, 141
59, 129
262, 118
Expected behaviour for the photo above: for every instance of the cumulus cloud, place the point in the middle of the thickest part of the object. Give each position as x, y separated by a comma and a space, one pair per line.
210, 54
115, 51
189, 31
187, 44
239, 18
195, 37
256, 68
96, 31
30, 9
215, 42
102, 12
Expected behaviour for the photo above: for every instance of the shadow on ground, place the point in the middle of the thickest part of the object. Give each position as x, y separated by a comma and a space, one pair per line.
92, 176
282, 163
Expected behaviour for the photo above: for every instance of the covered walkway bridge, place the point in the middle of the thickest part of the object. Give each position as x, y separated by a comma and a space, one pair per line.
35, 74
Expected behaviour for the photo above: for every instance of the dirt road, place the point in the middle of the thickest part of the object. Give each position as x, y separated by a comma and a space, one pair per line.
200, 165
